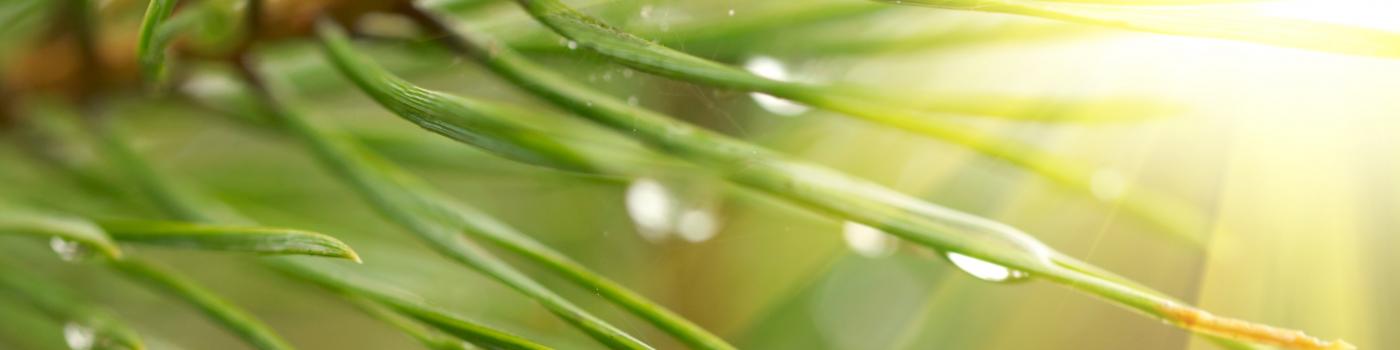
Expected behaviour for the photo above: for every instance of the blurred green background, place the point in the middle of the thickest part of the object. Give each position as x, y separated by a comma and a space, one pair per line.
1290, 153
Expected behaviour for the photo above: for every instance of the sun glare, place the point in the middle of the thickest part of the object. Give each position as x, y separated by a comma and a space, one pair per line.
1378, 14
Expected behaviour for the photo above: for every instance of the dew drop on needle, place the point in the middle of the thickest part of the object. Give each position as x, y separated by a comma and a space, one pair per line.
78, 336
984, 270
868, 241
771, 68
68, 250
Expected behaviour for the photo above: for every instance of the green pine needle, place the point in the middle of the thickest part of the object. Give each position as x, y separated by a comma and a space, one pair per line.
63, 305
1174, 217
823, 190
478, 124
261, 240
1211, 19
406, 201
26, 222
150, 46
410, 306
213, 306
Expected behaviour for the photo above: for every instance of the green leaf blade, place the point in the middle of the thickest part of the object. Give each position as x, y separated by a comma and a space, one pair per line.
371, 79
62, 304
406, 201
431, 338
150, 45
408, 305
261, 240
831, 192
630, 50
26, 222
177, 204
1204, 21
244, 325
888, 107
467, 125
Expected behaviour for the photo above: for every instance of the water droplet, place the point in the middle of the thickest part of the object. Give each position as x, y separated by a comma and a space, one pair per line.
1108, 184
651, 207
770, 68
673, 207
984, 270
981, 233
572, 45
731, 12
78, 336
767, 67
646, 11
208, 85
868, 241
697, 225
607, 76
632, 100
68, 250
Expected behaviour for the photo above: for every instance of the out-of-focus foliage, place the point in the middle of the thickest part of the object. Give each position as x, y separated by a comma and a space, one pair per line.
633, 174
